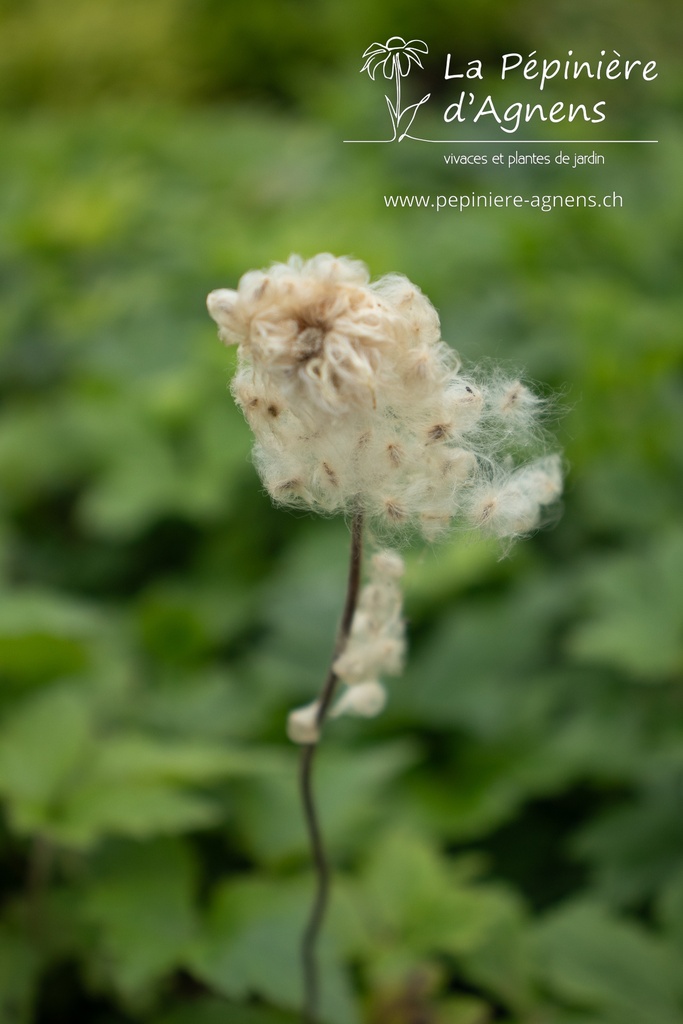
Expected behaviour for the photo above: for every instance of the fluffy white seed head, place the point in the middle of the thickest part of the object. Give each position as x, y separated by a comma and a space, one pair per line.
357, 404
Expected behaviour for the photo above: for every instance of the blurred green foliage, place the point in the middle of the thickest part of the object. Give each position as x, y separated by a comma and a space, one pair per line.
508, 835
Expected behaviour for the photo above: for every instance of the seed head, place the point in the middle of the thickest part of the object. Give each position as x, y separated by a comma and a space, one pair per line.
356, 403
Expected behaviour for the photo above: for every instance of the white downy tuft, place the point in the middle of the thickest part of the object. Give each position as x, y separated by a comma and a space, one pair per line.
357, 404
302, 724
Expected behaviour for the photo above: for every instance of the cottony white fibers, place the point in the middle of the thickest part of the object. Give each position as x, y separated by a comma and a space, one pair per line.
302, 723
376, 646
365, 700
358, 405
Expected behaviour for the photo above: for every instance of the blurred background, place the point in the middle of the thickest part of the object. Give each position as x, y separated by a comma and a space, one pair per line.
508, 836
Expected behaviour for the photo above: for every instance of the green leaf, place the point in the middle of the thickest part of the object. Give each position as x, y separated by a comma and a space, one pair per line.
138, 487
139, 810
26, 611
418, 905
43, 748
502, 963
219, 1011
19, 965
463, 1010
211, 704
140, 900
461, 678
60, 781
269, 808
171, 629
43, 634
556, 1015
128, 756
301, 606
608, 964
35, 658
670, 908
635, 848
251, 944
637, 604
435, 576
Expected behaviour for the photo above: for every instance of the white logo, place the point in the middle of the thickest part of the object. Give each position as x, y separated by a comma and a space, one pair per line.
395, 58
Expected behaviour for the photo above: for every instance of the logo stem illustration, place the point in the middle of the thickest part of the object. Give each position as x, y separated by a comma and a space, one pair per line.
397, 72
395, 58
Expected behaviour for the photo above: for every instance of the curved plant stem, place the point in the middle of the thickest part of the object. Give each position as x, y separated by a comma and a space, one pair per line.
320, 862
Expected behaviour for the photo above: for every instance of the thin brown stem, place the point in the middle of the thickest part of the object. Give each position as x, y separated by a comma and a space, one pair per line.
320, 861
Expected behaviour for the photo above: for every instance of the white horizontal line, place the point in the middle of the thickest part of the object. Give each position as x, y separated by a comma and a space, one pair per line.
520, 142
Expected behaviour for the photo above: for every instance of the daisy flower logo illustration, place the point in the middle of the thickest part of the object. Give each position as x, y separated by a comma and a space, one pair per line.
395, 58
